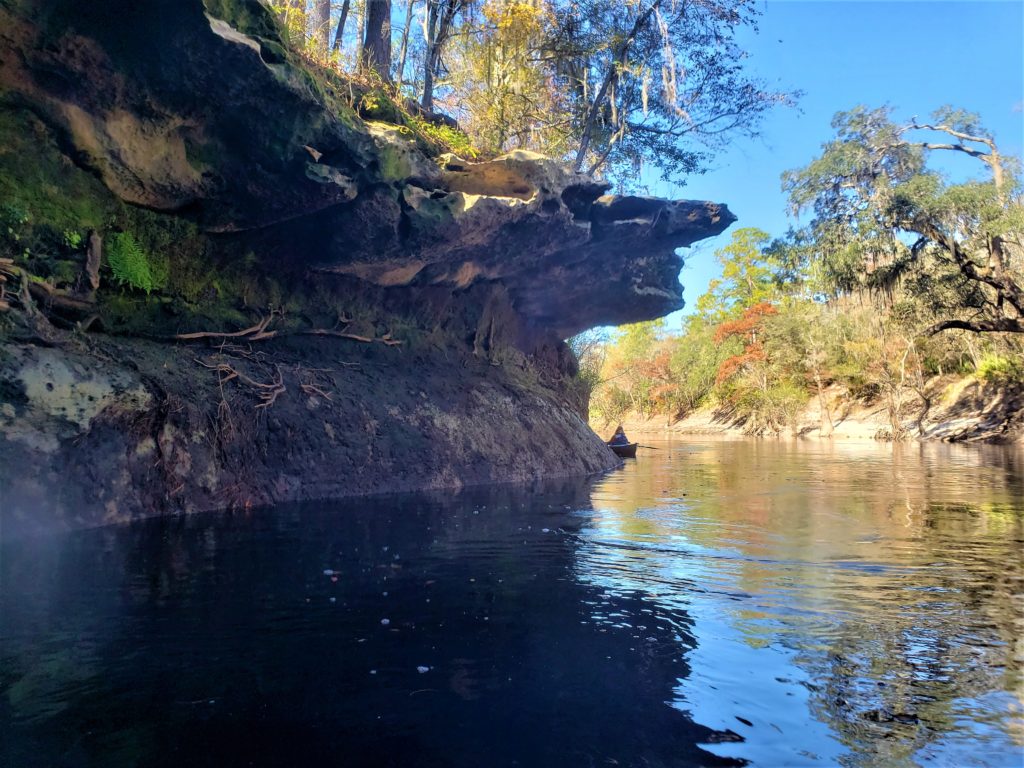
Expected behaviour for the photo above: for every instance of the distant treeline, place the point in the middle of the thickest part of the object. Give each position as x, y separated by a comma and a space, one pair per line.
900, 276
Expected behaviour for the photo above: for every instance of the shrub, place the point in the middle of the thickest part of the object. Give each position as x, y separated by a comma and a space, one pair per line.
450, 138
768, 409
997, 369
72, 239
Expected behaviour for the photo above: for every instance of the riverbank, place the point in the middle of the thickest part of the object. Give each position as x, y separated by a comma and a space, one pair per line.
287, 286
105, 430
962, 409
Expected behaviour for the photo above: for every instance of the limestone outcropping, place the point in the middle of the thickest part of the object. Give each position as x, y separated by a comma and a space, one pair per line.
220, 125
236, 186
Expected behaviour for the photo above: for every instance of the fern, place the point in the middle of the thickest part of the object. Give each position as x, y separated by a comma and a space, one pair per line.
129, 263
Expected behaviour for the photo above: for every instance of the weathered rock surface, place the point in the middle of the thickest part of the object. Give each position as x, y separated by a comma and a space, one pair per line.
88, 439
255, 186
221, 125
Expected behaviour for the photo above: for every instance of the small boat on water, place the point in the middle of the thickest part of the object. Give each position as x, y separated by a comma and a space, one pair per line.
625, 450
621, 445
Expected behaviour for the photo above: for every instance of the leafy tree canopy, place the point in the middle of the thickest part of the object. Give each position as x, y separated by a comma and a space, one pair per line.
884, 215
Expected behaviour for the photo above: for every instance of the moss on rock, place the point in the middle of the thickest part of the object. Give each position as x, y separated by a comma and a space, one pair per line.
250, 17
39, 180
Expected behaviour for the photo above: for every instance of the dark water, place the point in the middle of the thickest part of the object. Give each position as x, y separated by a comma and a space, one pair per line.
712, 603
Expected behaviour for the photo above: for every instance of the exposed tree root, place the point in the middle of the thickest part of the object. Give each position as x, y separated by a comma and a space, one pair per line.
5, 274
268, 392
71, 307
260, 332
313, 381
21, 303
256, 332
386, 339
313, 389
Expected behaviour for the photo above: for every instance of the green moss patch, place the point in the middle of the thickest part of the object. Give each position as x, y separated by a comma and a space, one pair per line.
39, 180
249, 17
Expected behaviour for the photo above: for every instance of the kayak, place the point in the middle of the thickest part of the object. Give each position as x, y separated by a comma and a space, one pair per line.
626, 451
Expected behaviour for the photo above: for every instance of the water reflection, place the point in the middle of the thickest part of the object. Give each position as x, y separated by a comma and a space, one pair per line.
404, 631
712, 603
853, 605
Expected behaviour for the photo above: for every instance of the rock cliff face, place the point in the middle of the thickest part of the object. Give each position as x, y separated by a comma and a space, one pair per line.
405, 308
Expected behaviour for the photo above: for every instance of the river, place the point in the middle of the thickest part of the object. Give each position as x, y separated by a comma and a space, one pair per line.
714, 602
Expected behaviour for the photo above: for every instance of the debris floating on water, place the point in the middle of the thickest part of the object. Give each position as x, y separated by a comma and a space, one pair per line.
421, 670
385, 622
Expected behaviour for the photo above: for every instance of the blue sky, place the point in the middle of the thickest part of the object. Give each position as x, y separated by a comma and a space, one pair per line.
914, 56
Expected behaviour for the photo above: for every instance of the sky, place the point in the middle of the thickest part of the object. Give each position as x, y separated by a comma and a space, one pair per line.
913, 55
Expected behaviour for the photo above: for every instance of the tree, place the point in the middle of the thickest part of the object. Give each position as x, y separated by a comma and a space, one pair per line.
292, 15
439, 24
696, 357
748, 276
761, 385
882, 217
339, 32
590, 349
626, 374
607, 85
505, 99
404, 49
805, 343
748, 327
321, 21
376, 52
656, 81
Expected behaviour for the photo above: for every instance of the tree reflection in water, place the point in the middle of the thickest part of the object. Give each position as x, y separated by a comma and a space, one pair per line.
712, 602
855, 604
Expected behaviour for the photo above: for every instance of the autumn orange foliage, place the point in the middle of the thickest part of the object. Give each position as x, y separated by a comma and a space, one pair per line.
748, 323
746, 327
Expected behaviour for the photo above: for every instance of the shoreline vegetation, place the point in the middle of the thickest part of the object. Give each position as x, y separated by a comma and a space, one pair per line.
899, 307
964, 410
211, 293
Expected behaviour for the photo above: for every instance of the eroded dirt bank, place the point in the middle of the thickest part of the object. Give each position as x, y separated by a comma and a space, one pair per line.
961, 410
106, 430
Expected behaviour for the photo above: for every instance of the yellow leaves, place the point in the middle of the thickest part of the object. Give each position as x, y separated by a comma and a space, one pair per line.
504, 96
515, 22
